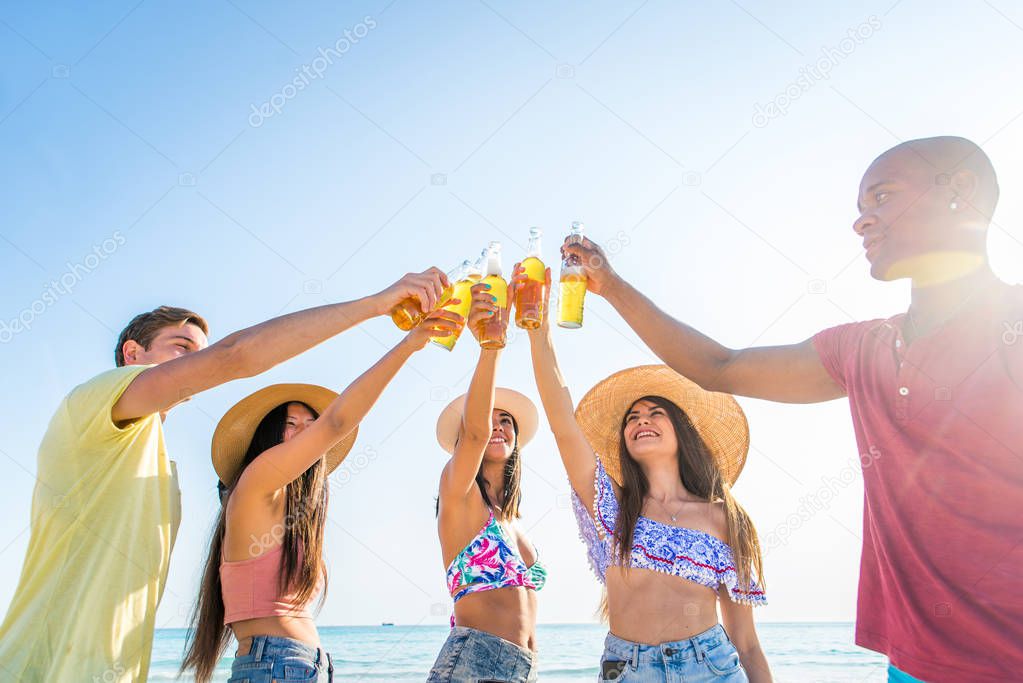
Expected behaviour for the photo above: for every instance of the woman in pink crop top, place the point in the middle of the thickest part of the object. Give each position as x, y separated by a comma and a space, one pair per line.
493, 571
273, 452
651, 458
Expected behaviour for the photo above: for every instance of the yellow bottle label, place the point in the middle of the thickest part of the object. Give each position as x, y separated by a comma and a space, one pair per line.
534, 269
498, 288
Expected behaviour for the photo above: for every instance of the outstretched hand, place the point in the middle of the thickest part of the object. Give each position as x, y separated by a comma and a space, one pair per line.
426, 287
484, 307
441, 323
600, 276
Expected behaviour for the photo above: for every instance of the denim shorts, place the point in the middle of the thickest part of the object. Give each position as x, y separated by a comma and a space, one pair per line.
472, 656
708, 656
282, 660
899, 676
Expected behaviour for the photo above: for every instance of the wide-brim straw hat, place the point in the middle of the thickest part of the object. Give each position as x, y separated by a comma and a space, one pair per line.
518, 405
234, 433
716, 416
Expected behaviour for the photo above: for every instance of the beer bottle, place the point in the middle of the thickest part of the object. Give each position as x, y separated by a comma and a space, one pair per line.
529, 297
573, 285
480, 267
492, 331
408, 312
462, 281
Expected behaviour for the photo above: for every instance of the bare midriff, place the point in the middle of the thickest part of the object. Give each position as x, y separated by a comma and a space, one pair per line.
297, 628
649, 607
508, 613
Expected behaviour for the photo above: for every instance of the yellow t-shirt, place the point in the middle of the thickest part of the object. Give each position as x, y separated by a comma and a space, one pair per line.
105, 512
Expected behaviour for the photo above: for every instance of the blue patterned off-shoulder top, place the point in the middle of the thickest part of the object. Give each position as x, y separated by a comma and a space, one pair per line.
687, 553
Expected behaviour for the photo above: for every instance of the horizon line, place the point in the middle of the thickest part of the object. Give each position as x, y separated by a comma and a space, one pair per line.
549, 623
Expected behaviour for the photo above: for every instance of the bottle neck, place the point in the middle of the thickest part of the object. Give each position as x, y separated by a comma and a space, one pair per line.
494, 265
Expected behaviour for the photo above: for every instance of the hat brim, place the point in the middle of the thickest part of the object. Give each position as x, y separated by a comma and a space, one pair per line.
717, 417
234, 432
517, 405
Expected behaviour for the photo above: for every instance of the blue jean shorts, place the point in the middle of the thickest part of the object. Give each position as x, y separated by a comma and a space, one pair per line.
708, 656
272, 659
899, 676
473, 656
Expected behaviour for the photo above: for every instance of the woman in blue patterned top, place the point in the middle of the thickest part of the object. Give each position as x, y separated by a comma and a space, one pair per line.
651, 458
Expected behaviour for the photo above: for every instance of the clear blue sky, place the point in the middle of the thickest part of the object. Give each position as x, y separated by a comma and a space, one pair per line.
136, 167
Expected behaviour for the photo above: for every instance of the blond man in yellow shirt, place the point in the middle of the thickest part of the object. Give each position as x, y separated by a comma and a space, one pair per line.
106, 506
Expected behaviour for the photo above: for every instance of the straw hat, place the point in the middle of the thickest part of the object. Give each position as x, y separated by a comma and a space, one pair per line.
518, 405
235, 430
717, 417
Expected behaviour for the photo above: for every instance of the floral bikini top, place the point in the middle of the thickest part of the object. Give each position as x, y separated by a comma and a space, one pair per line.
490, 562
687, 553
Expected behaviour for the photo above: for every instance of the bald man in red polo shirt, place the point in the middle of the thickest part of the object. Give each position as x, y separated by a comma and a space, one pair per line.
938, 391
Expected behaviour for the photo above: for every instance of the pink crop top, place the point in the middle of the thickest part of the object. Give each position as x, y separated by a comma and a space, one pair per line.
250, 589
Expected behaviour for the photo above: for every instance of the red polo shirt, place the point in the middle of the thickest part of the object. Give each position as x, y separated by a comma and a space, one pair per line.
939, 424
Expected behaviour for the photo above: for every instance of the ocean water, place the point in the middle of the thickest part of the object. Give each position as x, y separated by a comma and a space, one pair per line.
797, 652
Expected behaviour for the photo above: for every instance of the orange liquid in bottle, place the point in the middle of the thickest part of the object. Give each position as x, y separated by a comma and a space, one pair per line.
530, 295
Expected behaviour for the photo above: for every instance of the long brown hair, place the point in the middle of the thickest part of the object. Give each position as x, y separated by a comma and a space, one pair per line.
305, 514
700, 476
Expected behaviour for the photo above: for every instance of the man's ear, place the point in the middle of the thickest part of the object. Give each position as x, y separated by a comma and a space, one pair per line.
131, 351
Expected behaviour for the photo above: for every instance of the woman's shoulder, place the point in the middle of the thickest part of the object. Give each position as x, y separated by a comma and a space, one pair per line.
717, 520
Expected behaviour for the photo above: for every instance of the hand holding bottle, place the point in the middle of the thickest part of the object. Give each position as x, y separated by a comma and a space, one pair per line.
488, 321
492, 330
600, 276
458, 298
439, 324
422, 291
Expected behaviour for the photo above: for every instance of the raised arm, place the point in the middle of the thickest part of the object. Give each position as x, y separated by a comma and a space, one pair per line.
576, 454
790, 374
287, 461
261, 347
459, 475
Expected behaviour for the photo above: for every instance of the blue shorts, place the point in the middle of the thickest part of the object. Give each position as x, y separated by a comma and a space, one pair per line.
473, 656
899, 676
272, 659
708, 656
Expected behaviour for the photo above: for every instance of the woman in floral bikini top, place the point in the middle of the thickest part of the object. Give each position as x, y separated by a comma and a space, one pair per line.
651, 458
493, 572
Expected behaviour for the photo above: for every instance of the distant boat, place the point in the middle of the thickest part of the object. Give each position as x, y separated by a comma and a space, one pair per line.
387, 623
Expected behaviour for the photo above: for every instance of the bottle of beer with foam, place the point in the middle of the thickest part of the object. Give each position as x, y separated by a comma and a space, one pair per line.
492, 331
462, 280
573, 285
530, 295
